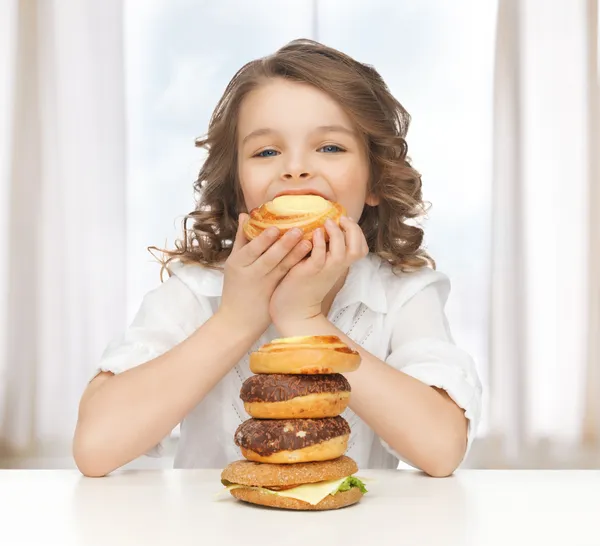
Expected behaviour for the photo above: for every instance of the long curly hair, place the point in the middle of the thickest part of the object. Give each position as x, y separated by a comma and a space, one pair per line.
389, 227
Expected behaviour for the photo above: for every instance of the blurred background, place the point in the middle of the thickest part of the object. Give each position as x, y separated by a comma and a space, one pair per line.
100, 103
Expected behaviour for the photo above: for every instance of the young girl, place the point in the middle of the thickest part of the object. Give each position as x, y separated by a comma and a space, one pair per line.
308, 119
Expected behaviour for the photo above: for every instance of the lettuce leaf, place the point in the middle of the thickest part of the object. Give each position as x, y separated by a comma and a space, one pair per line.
351, 482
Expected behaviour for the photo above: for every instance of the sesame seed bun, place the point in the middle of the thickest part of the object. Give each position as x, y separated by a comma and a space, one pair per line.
276, 475
330, 502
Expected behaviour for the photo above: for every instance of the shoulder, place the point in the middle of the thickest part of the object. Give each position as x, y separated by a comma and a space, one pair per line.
185, 296
199, 280
401, 286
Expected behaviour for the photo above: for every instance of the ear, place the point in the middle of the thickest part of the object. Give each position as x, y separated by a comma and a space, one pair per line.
372, 200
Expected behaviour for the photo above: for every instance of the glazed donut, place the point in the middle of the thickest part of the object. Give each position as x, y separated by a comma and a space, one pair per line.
305, 355
288, 441
307, 212
282, 396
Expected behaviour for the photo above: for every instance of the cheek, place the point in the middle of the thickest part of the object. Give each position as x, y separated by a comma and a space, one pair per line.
253, 186
350, 186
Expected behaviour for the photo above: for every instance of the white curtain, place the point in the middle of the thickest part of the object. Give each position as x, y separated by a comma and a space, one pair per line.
545, 286
62, 210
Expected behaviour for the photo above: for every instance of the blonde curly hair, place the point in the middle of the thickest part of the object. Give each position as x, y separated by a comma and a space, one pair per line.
382, 121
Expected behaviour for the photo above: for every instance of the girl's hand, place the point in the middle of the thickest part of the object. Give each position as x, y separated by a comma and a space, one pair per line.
300, 294
252, 272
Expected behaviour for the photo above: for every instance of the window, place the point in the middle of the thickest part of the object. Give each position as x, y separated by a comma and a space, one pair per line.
437, 58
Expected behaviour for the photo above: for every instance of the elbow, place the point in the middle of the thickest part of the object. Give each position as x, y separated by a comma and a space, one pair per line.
445, 459
440, 469
88, 457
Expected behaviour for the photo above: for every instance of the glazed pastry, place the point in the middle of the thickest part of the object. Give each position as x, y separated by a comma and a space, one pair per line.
307, 212
305, 355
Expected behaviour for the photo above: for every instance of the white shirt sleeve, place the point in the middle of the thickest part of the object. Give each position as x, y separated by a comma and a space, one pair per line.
422, 347
167, 316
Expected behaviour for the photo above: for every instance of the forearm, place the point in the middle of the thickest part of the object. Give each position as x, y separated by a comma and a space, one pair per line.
419, 422
131, 412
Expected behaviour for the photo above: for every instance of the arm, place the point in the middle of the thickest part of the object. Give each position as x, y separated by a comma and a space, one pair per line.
432, 436
416, 420
123, 416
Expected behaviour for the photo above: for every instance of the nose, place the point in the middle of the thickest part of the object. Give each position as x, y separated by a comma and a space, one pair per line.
296, 168
303, 175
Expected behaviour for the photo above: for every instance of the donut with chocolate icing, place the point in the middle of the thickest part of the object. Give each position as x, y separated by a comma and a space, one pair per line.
305, 355
288, 441
285, 396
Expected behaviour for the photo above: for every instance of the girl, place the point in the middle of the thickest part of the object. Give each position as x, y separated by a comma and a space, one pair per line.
308, 119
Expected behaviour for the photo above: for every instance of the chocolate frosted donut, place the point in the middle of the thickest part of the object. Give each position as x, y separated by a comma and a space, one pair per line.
282, 396
285, 441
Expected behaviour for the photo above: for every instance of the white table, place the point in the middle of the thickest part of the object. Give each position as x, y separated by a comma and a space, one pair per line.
178, 507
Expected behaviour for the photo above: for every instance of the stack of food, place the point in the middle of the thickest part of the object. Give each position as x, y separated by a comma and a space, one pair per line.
295, 441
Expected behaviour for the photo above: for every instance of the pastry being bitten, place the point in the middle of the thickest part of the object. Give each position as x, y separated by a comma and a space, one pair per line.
307, 212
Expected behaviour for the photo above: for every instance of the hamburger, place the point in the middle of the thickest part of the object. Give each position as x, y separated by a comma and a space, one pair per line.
325, 485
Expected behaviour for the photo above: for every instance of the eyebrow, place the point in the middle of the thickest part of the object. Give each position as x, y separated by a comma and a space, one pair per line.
321, 129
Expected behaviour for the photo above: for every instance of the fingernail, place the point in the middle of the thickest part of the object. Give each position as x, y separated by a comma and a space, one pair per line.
295, 232
272, 231
329, 222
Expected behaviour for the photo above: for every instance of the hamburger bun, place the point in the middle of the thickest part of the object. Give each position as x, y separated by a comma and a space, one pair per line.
330, 502
307, 212
283, 396
288, 441
272, 475
304, 355
264, 484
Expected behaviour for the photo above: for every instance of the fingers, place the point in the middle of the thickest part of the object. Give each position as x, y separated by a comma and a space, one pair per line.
294, 257
274, 255
252, 251
337, 243
318, 255
356, 244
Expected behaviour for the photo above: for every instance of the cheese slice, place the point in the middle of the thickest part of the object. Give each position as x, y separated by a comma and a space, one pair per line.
313, 493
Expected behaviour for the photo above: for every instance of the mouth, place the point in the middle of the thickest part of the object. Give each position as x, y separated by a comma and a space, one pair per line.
305, 191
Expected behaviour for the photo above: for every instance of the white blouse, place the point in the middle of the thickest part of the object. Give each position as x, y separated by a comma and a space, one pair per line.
399, 318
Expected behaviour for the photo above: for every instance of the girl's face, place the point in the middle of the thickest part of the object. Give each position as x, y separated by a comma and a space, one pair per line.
294, 138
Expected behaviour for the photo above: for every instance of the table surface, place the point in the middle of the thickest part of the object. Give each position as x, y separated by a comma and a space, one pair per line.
181, 507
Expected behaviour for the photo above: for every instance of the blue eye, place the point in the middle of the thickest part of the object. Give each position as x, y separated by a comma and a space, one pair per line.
331, 148
267, 153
